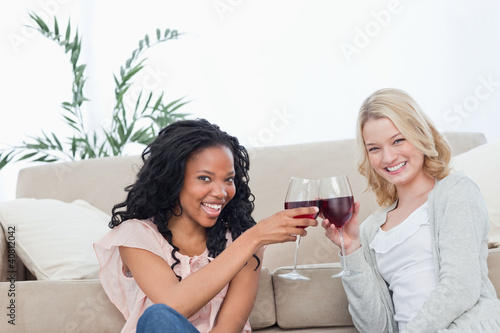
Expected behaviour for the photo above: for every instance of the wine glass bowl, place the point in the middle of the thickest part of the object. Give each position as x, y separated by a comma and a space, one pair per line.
337, 205
301, 193
337, 210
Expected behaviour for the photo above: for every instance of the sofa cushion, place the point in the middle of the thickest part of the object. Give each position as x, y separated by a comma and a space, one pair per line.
319, 302
53, 238
482, 165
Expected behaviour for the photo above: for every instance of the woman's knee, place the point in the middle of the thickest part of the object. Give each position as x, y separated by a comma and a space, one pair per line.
159, 317
157, 310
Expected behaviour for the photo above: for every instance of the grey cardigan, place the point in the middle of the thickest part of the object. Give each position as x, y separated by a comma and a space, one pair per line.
464, 299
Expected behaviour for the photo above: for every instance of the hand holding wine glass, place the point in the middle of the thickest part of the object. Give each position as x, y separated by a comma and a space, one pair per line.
337, 206
284, 226
351, 234
301, 193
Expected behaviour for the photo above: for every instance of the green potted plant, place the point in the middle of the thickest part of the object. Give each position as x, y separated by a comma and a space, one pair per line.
137, 124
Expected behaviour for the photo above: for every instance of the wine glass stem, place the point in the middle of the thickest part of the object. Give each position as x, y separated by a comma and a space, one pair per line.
341, 235
297, 243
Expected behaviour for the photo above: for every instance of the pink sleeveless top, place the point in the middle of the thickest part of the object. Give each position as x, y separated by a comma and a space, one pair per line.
121, 287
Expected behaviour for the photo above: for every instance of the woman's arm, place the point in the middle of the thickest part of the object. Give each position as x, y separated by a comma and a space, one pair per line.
157, 280
240, 298
370, 303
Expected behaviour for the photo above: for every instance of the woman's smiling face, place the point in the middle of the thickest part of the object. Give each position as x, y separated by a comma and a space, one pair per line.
208, 185
393, 157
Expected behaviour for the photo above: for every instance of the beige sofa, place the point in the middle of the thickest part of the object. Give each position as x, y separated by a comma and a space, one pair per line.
319, 305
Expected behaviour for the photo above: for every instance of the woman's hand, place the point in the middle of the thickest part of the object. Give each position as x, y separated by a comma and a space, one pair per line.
284, 225
352, 241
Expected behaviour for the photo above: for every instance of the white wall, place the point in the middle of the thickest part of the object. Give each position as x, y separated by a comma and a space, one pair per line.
270, 72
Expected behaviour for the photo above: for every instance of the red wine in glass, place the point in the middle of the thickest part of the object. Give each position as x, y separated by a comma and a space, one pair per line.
307, 203
337, 210
301, 193
337, 205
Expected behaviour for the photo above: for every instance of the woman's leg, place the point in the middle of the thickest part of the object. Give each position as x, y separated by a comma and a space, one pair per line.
160, 318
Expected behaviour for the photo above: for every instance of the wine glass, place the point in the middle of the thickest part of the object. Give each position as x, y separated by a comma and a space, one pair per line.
337, 205
301, 193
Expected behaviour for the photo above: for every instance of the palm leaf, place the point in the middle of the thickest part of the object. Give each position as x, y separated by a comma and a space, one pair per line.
126, 125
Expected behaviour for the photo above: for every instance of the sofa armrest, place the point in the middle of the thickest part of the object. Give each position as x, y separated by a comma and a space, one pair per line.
320, 302
58, 306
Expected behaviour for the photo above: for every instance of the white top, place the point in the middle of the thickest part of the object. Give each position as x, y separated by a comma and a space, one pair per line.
404, 259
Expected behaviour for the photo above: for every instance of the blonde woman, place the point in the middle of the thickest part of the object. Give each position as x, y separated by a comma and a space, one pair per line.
421, 258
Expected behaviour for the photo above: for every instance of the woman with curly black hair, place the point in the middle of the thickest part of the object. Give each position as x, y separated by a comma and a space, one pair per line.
184, 252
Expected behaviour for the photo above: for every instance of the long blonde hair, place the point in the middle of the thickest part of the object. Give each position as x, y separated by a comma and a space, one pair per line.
414, 125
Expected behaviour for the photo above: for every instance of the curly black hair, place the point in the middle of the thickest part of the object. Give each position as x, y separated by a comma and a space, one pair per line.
155, 193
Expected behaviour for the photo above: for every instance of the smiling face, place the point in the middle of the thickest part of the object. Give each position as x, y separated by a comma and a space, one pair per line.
393, 157
208, 187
